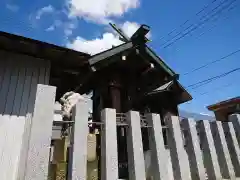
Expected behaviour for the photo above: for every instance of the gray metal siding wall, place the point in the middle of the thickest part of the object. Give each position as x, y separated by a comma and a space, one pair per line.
19, 76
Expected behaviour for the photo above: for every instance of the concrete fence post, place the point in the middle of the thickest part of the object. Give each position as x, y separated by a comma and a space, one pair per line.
40, 134
78, 167
109, 151
136, 165
180, 162
235, 119
233, 147
159, 156
223, 154
193, 149
209, 152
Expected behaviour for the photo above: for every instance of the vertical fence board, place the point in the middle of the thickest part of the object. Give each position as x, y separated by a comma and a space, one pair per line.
23, 114
209, 152
16, 125
109, 155
8, 158
19, 89
232, 146
42, 71
224, 159
15, 105
78, 169
4, 167
193, 149
28, 108
5, 82
2, 68
180, 162
40, 134
12, 88
5, 85
159, 155
136, 165
47, 73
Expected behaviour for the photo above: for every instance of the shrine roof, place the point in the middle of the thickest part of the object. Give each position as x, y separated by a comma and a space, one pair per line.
224, 104
173, 85
140, 49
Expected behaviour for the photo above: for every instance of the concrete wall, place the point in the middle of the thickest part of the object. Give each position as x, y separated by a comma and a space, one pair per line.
19, 76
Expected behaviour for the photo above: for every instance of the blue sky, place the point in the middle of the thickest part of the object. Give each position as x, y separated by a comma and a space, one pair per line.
82, 25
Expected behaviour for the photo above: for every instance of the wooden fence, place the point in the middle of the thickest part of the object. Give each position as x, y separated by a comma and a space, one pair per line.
196, 150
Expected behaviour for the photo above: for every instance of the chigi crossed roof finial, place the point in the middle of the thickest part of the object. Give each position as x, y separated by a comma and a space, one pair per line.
136, 42
141, 32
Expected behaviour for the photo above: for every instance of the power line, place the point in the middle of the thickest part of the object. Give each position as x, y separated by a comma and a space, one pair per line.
214, 90
209, 80
192, 25
212, 62
197, 25
218, 88
215, 25
185, 22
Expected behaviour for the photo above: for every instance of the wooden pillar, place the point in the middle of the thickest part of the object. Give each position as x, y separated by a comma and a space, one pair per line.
115, 96
116, 103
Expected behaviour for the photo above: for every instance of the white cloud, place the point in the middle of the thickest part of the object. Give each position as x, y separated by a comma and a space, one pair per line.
51, 28
96, 45
69, 27
129, 28
205, 114
100, 11
108, 40
68, 32
45, 10
58, 19
12, 7
57, 23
